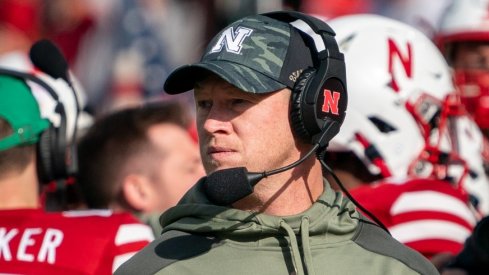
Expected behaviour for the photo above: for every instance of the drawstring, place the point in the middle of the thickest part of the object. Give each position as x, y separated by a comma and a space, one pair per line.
296, 257
306, 248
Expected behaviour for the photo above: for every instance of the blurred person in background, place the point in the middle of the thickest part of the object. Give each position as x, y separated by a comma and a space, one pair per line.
120, 49
67, 24
140, 159
19, 28
396, 150
422, 15
463, 37
36, 149
21, 24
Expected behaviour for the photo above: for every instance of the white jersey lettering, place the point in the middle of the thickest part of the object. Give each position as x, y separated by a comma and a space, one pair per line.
5, 238
35, 244
25, 242
51, 241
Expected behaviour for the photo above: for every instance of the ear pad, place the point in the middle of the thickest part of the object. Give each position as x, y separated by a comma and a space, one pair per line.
318, 109
297, 111
45, 162
51, 156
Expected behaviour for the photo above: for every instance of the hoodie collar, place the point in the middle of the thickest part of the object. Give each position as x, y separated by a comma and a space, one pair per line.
331, 219
331, 213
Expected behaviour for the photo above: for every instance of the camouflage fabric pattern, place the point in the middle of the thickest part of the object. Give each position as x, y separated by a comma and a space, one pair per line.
257, 65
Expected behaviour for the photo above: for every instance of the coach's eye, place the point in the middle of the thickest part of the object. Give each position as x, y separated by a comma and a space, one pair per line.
204, 104
238, 101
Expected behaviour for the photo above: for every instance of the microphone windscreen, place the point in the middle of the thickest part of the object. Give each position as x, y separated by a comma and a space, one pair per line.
48, 58
223, 187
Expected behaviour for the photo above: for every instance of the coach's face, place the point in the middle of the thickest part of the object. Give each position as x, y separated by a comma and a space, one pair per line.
237, 128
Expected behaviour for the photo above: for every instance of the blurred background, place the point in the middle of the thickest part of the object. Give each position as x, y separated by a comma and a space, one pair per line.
121, 51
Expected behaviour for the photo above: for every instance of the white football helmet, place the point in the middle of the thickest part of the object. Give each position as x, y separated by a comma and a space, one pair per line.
465, 20
399, 88
19, 61
471, 145
468, 21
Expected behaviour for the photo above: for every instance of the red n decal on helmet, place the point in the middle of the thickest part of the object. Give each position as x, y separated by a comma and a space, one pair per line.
331, 100
406, 61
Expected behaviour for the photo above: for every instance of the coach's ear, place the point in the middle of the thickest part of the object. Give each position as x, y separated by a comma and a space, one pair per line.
136, 189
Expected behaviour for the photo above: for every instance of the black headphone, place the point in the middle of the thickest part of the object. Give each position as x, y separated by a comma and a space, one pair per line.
319, 96
55, 159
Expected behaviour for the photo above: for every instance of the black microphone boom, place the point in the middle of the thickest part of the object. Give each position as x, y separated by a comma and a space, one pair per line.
48, 58
224, 187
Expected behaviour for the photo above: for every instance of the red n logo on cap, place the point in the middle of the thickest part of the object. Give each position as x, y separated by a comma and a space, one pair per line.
331, 100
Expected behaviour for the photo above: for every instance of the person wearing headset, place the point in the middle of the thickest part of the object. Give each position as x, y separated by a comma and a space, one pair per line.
32, 153
270, 92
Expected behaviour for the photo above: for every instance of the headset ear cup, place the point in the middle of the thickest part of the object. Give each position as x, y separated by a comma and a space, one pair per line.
296, 114
44, 156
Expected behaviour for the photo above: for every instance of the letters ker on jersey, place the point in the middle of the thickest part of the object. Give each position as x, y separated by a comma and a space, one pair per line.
31, 244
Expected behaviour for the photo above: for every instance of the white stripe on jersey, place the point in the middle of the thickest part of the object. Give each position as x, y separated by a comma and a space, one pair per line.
432, 201
429, 229
88, 213
120, 259
129, 233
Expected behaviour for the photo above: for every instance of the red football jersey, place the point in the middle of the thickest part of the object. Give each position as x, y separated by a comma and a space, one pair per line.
74, 242
427, 215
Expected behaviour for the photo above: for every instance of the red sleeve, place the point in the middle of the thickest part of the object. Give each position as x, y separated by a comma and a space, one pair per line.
427, 215
377, 199
130, 237
80, 242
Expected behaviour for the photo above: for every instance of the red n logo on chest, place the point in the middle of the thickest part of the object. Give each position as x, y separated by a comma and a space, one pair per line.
331, 100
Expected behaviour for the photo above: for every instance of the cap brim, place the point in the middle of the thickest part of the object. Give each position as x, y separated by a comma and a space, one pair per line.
184, 78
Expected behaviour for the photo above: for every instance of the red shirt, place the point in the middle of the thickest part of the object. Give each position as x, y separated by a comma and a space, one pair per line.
427, 215
75, 242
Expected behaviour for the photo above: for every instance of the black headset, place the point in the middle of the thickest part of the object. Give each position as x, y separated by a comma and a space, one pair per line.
319, 96
54, 155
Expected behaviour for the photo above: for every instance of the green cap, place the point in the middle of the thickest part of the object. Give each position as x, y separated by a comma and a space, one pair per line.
20, 109
257, 54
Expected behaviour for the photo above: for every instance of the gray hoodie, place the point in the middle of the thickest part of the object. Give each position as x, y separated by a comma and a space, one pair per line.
331, 237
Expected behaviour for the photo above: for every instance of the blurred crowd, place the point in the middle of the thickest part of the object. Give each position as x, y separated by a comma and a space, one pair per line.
122, 51
137, 149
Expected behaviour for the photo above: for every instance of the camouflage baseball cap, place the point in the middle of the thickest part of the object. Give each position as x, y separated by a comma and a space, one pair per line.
257, 54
